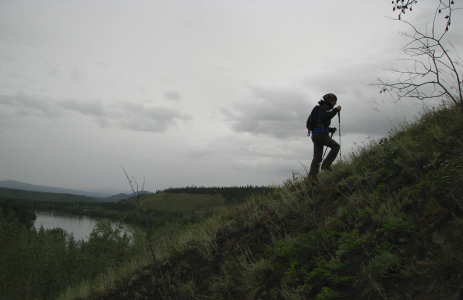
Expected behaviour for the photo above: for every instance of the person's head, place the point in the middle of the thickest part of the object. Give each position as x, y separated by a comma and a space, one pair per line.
330, 99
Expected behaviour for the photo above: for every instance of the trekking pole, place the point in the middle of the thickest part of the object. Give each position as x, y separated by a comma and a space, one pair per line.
339, 119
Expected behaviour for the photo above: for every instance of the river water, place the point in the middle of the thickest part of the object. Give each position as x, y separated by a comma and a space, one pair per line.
80, 226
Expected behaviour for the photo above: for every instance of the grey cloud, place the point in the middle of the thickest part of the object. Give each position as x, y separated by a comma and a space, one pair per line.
277, 113
172, 95
53, 72
76, 75
102, 64
10, 59
244, 149
7, 33
25, 105
136, 117
341, 80
89, 108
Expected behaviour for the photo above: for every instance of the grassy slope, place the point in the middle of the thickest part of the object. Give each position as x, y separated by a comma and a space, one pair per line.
386, 224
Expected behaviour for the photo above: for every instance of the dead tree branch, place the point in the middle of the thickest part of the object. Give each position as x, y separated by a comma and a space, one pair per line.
137, 194
433, 70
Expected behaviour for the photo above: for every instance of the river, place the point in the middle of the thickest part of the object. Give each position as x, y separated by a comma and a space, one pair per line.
80, 225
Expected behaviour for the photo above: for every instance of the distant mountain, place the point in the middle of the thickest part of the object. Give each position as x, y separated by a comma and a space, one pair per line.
116, 198
107, 191
13, 184
6, 193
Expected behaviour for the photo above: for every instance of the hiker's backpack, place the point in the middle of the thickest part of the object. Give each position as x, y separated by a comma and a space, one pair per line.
311, 123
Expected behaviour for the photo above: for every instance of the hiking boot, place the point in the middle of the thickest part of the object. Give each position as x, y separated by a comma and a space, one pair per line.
326, 168
312, 178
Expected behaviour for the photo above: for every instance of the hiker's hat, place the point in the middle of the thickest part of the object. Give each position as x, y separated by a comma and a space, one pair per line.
330, 97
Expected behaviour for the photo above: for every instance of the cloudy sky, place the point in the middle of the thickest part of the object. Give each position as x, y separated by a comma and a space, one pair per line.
203, 92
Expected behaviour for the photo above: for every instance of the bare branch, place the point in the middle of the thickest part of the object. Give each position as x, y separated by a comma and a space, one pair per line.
432, 71
137, 194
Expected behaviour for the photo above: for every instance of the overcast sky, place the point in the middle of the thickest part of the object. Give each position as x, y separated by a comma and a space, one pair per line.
203, 92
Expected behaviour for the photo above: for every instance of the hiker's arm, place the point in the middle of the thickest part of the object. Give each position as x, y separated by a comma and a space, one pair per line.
330, 114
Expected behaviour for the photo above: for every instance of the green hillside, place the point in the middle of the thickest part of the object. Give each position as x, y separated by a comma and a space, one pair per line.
387, 223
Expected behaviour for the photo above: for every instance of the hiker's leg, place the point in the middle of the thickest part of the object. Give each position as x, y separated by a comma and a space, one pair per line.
326, 165
317, 155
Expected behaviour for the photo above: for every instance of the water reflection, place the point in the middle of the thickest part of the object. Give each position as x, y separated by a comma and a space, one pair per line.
81, 226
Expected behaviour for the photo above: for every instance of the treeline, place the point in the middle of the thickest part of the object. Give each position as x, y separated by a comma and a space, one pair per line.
20, 210
231, 195
81, 206
39, 263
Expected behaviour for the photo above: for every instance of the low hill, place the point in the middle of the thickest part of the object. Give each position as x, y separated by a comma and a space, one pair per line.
386, 223
13, 184
18, 190
7, 193
115, 198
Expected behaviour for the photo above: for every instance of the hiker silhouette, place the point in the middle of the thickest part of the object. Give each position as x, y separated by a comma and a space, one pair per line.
321, 137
